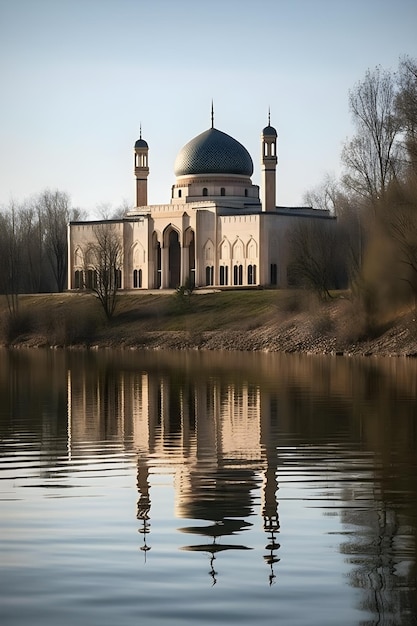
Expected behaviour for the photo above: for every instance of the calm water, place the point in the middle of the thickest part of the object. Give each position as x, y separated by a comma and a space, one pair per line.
154, 488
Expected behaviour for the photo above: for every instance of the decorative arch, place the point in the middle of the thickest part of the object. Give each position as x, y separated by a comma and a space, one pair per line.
138, 254
225, 250
166, 234
238, 249
156, 237
208, 250
78, 257
189, 236
89, 257
172, 247
252, 249
137, 261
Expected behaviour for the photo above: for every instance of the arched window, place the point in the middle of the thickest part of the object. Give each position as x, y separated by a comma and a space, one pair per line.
209, 275
222, 191
224, 275
205, 191
246, 193
78, 280
91, 279
179, 193
251, 274
118, 278
237, 274
137, 279
78, 257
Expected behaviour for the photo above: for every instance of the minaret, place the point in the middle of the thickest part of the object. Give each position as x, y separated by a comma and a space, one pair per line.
141, 171
269, 167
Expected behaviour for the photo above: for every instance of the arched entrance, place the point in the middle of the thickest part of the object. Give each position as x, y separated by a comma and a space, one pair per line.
174, 260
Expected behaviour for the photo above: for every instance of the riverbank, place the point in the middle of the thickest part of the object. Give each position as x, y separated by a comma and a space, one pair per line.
264, 320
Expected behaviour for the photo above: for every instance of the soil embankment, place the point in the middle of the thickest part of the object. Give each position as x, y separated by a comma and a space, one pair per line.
246, 321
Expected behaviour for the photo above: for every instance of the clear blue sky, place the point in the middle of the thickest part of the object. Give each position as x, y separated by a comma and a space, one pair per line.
79, 76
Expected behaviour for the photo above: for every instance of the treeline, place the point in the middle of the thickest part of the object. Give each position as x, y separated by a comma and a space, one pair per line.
374, 247
33, 245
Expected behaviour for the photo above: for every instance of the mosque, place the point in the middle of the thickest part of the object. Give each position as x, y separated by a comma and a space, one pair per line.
219, 229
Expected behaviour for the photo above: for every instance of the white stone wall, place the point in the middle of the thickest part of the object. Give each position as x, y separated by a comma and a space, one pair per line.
244, 244
239, 245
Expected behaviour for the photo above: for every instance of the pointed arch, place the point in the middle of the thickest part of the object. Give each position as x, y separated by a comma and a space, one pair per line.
238, 249
137, 261
137, 254
188, 236
166, 233
172, 264
225, 249
156, 237
252, 249
208, 250
78, 257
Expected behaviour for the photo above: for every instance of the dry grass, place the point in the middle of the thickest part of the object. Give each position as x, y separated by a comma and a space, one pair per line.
245, 319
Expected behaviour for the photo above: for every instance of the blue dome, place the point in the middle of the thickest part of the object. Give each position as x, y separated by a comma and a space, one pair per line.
141, 143
269, 131
213, 152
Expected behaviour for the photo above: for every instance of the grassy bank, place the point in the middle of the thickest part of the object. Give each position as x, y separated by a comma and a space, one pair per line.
275, 320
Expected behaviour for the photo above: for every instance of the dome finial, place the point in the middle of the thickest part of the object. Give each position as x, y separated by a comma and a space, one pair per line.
212, 113
269, 116
140, 131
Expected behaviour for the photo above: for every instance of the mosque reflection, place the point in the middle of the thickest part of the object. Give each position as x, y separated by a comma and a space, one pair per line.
228, 428
221, 433
215, 438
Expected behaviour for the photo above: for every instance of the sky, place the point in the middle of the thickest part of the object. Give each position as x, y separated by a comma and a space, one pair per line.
79, 77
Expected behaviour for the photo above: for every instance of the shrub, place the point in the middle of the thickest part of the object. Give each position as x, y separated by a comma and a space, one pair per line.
14, 325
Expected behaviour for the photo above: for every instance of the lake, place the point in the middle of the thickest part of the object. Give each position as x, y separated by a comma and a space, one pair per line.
207, 488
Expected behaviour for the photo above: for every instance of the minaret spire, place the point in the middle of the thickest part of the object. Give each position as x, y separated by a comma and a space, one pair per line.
269, 166
141, 170
212, 113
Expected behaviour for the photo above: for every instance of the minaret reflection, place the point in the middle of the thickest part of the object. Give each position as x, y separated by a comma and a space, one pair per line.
270, 518
144, 502
270, 485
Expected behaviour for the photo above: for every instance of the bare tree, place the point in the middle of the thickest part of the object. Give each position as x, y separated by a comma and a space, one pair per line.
11, 257
401, 225
31, 221
406, 108
106, 211
103, 265
55, 211
326, 196
371, 157
315, 254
